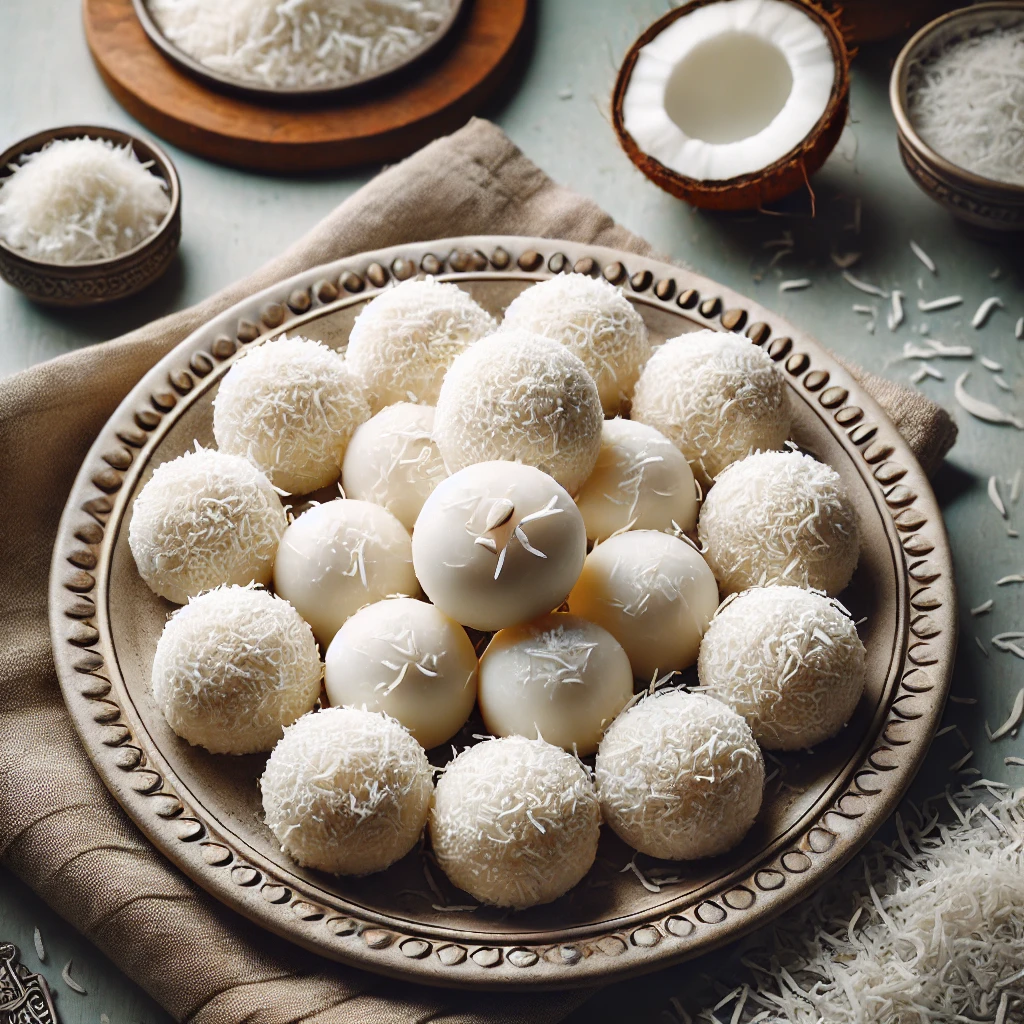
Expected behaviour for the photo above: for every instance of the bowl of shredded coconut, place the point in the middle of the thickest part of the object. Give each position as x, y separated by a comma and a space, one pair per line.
87, 215
957, 91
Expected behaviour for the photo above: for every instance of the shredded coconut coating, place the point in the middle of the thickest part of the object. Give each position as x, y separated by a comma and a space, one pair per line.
290, 407
789, 661
780, 518
202, 520
347, 791
518, 397
233, 667
406, 338
680, 776
717, 397
594, 320
515, 822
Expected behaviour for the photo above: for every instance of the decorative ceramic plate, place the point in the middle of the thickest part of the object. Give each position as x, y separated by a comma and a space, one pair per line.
203, 811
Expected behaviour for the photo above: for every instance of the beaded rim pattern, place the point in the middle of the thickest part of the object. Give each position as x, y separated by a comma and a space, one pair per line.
827, 836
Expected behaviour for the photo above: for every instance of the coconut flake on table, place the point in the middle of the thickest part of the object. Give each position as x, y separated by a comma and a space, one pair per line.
78, 200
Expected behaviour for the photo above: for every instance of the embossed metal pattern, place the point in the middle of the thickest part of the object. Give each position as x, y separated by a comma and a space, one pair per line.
103, 642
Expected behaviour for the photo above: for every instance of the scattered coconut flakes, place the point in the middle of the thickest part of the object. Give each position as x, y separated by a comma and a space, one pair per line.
895, 317
985, 606
864, 286
781, 254
982, 647
1018, 331
845, 260
991, 364
934, 349
933, 305
69, 981
1010, 532
918, 375
37, 939
104, 1019
1015, 577
985, 311
995, 497
1013, 721
1015, 487
923, 256
996, 273
859, 307
1008, 642
943, 731
1014, 761
565, 94
795, 285
932, 372
1001, 383
966, 700
980, 409
960, 762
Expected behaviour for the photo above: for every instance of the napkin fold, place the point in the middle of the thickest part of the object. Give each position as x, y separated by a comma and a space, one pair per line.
60, 830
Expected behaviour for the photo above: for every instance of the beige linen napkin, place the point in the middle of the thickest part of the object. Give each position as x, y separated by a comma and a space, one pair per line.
60, 830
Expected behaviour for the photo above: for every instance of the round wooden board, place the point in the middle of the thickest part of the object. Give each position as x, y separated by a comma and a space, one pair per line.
385, 123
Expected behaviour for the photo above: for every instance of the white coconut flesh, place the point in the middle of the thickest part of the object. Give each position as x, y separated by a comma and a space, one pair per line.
730, 88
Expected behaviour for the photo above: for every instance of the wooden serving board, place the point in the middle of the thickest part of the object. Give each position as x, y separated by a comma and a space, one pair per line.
380, 124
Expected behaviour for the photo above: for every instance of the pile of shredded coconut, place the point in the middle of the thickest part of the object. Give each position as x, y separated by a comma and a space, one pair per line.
78, 200
299, 44
966, 101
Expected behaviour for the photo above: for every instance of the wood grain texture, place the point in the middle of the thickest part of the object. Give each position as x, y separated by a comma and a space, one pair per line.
384, 124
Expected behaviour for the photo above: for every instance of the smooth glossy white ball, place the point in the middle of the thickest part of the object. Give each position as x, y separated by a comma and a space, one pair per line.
515, 822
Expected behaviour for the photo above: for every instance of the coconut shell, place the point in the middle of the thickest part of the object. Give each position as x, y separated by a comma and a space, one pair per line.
777, 180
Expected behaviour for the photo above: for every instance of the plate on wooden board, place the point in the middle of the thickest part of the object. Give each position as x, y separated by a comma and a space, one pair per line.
203, 811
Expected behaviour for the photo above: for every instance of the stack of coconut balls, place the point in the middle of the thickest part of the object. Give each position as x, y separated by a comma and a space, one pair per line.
493, 483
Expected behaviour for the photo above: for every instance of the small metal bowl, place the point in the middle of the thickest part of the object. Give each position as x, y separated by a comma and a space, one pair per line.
993, 206
95, 281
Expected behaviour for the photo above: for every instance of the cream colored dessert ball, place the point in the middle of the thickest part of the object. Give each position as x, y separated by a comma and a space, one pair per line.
347, 791
596, 321
290, 407
405, 339
497, 544
393, 461
654, 593
515, 822
789, 661
558, 677
680, 776
519, 397
411, 661
717, 397
780, 517
202, 520
339, 556
641, 482
233, 667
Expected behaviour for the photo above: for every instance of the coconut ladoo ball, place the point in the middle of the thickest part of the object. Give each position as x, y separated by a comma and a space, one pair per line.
393, 461
641, 482
593, 319
789, 661
780, 518
290, 407
411, 661
403, 342
515, 822
347, 791
497, 544
339, 556
654, 593
559, 678
518, 397
202, 520
233, 668
680, 776
717, 397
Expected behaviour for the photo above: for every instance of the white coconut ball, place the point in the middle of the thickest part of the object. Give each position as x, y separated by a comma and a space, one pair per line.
515, 822
654, 593
347, 791
403, 342
518, 397
596, 321
290, 407
339, 556
559, 677
641, 482
780, 518
680, 776
204, 519
789, 661
393, 461
233, 667
411, 661
717, 397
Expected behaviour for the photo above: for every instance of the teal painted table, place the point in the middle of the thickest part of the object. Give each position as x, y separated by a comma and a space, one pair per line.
556, 110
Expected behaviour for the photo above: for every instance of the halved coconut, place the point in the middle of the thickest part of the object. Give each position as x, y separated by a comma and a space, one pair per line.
733, 104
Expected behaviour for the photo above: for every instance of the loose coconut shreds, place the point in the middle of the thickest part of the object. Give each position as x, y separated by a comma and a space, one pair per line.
594, 320
716, 396
233, 667
406, 338
515, 822
347, 791
78, 200
202, 520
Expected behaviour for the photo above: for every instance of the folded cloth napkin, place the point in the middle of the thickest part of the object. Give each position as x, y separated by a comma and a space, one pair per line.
60, 829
